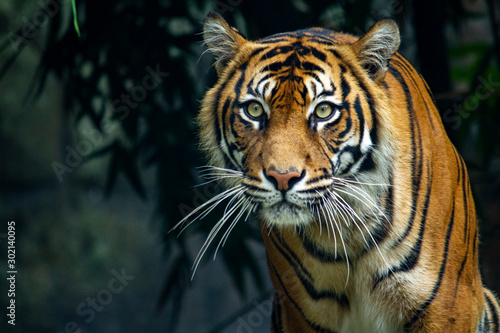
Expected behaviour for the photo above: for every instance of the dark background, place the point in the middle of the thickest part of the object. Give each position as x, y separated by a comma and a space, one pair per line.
99, 156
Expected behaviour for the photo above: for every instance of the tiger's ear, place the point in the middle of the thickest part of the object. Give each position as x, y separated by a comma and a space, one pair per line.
222, 40
377, 47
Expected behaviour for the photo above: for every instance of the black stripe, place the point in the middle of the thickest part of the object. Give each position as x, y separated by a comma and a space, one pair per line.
389, 203
312, 325
369, 97
371, 107
255, 52
336, 54
484, 325
359, 112
309, 66
315, 294
493, 312
411, 260
290, 256
356, 156
346, 89
416, 167
465, 184
267, 76
218, 129
319, 254
460, 271
230, 147
474, 246
317, 179
368, 163
417, 315
239, 83
277, 50
225, 109
271, 40
318, 54
276, 315
348, 122
403, 63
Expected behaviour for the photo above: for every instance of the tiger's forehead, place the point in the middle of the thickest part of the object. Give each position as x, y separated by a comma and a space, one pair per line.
294, 67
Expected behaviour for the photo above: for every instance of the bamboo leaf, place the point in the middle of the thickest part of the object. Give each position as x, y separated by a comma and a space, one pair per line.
75, 19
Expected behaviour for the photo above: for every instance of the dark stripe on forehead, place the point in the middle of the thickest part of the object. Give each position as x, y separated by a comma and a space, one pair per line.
257, 51
336, 54
299, 49
318, 54
316, 77
266, 77
276, 51
309, 66
274, 40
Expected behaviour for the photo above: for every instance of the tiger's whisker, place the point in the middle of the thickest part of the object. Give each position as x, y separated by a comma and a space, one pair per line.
244, 206
215, 230
348, 207
369, 203
211, 203
331, 218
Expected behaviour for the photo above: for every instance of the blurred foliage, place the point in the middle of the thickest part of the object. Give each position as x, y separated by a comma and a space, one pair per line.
137, 72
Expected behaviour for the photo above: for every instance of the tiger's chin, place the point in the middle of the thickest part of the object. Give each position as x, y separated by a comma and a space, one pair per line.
286, 214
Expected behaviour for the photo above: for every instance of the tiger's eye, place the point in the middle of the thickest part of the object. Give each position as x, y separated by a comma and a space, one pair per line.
255, 109
323, 111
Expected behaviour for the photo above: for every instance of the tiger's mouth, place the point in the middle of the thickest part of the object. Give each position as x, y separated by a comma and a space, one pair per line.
285, 212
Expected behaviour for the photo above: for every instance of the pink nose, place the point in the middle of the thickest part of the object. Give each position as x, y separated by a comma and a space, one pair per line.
282, 179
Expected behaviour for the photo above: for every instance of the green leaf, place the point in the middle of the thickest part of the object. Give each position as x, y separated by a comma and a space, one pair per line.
75, 20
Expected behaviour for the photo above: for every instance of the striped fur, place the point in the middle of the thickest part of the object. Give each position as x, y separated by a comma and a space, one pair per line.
372, 228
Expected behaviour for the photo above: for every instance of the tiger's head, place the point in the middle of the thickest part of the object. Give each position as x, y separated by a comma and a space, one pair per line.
298, 124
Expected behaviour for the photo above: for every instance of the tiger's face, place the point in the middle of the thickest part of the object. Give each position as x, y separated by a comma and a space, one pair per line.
293, 121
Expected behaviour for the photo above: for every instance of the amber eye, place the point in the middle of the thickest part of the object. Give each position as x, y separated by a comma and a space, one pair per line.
323, 111
254, 109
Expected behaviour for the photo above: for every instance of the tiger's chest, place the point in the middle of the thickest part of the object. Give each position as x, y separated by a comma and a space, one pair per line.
367, 313
316, 294
361, 311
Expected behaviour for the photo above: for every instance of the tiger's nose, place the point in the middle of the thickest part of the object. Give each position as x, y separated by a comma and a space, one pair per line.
284, 181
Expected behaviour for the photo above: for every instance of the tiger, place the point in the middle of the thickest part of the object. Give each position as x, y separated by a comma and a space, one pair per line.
365, 207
